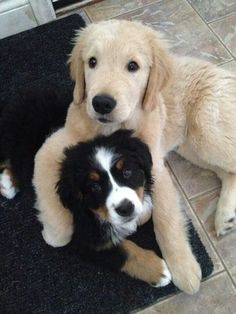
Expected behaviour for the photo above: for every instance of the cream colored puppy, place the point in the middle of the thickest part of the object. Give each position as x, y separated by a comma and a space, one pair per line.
125, 77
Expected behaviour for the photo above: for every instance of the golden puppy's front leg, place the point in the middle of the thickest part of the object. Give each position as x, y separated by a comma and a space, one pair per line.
57, 221
171, 233
145, 265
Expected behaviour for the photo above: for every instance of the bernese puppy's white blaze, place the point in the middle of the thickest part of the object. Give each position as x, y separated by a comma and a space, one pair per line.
142, 211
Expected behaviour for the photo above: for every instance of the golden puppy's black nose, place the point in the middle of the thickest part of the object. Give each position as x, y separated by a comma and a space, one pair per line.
103, 104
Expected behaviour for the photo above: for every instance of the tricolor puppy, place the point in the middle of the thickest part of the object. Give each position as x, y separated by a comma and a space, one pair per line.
106, 183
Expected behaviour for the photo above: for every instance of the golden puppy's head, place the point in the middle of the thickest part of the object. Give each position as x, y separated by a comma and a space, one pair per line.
118, 66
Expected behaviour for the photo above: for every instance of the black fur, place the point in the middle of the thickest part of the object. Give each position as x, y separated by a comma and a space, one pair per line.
25, 123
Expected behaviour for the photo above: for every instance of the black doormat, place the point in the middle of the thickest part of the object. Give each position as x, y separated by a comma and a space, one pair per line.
36, 278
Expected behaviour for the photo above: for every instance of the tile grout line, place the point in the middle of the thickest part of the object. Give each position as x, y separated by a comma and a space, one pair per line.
202, 225
129, 11
87, 14
195, 196
218, 37
212, 31
220, 18
226, 62
214, 20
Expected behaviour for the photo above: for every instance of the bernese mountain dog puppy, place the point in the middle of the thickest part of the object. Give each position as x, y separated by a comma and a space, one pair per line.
106, 182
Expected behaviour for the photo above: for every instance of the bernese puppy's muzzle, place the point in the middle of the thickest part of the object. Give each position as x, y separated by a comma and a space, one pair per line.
106, 183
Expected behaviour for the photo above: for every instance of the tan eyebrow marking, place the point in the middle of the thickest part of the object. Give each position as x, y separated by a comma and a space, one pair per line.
94, 176
102, 212
120, 164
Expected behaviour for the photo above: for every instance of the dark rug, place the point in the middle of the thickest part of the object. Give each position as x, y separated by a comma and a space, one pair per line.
36, 278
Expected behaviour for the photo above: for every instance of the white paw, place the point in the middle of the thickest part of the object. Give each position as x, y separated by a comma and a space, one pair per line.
7, 188
165, 277
224, 222
56, 239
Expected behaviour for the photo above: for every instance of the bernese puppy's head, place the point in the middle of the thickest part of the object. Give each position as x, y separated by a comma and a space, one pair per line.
106, 183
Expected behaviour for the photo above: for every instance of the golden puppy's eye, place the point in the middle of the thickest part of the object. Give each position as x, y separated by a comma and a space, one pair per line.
132, 66
92, 62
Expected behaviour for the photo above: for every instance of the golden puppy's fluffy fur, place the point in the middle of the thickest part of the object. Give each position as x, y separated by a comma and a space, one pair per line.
170, 102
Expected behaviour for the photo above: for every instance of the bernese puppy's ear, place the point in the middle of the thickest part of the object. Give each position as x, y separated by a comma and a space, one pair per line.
135, 148
141, 153
72, 176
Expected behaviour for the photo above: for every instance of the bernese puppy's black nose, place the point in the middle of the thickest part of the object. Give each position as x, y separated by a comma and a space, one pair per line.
125, 209
103, 104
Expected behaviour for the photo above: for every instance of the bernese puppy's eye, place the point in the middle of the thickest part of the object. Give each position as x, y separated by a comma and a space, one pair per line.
132, 66
92, 62
95, 187
127, 173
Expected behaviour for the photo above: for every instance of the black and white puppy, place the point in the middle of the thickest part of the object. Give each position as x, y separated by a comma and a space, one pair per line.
106, 183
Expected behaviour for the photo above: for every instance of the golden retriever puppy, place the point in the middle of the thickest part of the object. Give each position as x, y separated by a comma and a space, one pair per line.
125, 77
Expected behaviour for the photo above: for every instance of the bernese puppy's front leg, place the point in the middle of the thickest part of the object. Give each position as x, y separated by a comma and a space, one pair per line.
144, 265
135, 261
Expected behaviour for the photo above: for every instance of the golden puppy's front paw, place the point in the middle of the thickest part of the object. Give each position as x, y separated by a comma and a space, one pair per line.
56, 239
186, 274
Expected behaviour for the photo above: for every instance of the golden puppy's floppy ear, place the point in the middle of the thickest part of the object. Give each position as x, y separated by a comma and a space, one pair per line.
77, 70
160, 72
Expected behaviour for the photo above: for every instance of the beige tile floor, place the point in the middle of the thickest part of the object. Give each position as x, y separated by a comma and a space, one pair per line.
204, 29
